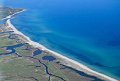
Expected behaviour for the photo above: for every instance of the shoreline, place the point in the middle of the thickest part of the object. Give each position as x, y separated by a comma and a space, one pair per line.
10, 16
67, 61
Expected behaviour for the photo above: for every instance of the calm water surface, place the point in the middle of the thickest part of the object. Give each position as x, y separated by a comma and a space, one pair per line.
85, 30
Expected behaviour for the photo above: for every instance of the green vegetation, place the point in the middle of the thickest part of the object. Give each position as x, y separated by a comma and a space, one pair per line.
20, 65
22, 52
5, 41
2, 51
5, 11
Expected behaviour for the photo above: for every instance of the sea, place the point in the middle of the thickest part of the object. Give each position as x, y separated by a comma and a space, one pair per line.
87, 31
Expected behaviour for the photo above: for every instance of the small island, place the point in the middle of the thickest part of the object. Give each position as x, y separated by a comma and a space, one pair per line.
24, 60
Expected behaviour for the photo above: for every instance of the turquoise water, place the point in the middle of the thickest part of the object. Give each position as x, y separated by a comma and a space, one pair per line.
87, 31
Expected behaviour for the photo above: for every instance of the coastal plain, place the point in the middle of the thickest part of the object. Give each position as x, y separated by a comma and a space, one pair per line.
20, 61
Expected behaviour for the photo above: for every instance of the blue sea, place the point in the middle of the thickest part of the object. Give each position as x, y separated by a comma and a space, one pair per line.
87, 31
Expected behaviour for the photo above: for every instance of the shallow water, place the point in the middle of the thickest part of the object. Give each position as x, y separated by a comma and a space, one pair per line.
37, 52
49, 58
86, 31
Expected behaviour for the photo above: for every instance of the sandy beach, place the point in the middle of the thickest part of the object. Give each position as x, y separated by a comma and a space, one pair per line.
8, 17
65, 60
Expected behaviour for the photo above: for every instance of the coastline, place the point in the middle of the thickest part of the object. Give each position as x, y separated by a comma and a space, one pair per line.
66, 61
10, 16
